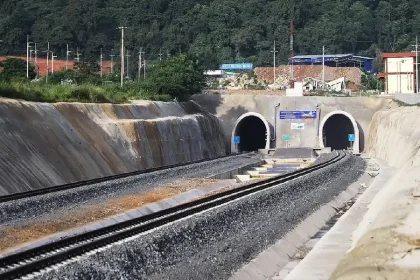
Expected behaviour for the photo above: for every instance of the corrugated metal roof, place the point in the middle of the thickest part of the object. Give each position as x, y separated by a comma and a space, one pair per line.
315, 56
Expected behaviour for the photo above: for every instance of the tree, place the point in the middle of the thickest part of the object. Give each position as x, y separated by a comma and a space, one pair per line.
179, 77
16, 68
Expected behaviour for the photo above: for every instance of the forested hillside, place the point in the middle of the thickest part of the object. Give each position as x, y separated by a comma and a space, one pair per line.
215, 30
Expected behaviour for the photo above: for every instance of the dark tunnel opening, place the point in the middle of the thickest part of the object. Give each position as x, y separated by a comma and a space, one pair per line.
336, 131
253, 134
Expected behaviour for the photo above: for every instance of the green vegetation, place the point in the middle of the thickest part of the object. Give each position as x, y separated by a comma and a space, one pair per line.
177, 77
216, 31
15, 68
180, 77
42, 92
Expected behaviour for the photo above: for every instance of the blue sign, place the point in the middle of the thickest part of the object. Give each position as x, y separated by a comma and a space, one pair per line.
287, 138
237, 139
237, 66
352, 137
297, 115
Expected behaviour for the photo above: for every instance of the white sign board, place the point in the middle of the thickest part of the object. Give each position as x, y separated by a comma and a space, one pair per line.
298, 126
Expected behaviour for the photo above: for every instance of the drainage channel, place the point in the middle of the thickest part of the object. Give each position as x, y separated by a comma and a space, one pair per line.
304, 250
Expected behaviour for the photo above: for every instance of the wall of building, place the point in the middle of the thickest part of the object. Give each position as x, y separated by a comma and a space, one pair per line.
228, 108
400, 64
44, 145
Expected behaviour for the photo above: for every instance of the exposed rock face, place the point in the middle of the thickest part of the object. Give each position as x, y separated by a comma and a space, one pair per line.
386, 242
48, 144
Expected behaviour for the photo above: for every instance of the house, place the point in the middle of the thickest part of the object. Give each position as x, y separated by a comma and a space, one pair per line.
400, 73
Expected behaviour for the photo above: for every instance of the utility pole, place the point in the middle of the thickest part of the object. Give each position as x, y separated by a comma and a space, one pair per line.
292, 53
122, 53
323, 67
141, 53
67, 56
48, 57
27, 55
52, 62
127, 56
36, 61
101, 59
78, 55
112, 63
160, 54
417, 65
144, 71
30, 55
274, 51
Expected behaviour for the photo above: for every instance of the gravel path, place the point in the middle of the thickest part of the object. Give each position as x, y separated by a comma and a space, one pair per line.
32, 209
216, 243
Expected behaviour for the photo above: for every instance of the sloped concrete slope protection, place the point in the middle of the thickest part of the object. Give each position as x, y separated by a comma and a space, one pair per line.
386, 244
44, 145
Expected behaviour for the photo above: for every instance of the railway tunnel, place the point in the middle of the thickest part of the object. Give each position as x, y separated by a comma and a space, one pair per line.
253, 131
335, 129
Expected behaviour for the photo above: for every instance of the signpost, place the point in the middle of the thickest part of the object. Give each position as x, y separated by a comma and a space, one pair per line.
298, 115
287, 138
236, 141
352, 138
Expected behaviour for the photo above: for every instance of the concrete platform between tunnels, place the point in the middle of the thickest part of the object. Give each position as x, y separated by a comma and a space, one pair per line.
254, 132
335, 128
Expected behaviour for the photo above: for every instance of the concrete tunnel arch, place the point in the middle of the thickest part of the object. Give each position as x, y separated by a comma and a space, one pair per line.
254, 131
334, 130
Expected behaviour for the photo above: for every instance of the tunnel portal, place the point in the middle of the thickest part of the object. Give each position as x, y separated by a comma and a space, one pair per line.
336, 131
253, 131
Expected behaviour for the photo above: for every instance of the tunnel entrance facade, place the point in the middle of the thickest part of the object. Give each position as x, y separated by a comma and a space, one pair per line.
334, 131
254, 132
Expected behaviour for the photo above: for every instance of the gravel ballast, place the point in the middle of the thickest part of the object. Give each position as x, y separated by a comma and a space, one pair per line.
216, 243
17, 213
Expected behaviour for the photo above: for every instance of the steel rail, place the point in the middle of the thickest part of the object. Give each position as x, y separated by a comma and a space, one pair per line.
44, 257
48, 190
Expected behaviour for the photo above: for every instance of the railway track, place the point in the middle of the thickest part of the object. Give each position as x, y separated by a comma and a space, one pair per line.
34, 193
39, 260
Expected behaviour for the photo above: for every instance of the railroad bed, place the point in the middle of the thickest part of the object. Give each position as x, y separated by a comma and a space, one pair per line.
18, 209
206, 239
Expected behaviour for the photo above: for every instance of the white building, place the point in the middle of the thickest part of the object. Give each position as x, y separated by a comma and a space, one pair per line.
400, 73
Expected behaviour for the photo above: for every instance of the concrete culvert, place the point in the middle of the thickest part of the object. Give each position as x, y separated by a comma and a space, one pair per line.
254, 133
335, 129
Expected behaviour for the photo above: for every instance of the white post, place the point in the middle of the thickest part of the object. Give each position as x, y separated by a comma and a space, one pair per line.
52, 63
101, 64
274, 51
36, 61
140, 63
122, 54
67, 57
112, 63
323, 67
127, 55
144, 71
48, 57
27, 56
417, 66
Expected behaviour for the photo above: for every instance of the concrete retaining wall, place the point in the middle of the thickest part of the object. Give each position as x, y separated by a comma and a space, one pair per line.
228, 108
49, 144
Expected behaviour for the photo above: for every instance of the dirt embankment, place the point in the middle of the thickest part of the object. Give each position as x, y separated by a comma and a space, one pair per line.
387, 242
44, 145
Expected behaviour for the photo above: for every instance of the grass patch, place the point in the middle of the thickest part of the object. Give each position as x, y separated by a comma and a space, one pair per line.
41, 92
